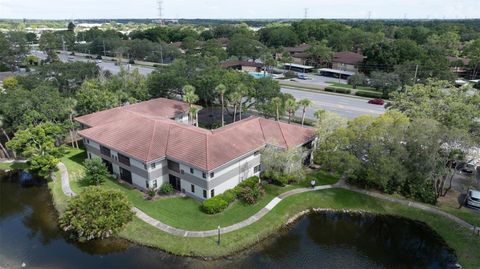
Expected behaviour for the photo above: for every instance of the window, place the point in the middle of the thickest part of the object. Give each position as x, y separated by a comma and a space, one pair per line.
182, 172
204, 175
191, 170
256, 153
89, 155
124, 159
204, 193
88, 141
193, 188
105, 151
256, 169
145, 166
154, 184
212, 174
174, 166
152, 165
146, 184
212, 193
125, 175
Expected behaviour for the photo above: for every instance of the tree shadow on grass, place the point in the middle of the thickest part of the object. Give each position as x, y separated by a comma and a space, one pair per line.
79, 158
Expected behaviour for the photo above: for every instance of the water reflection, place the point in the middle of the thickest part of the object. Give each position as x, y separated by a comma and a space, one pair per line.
29, 233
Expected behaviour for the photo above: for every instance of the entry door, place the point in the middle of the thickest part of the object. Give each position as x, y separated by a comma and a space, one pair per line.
108, 165
126, 175
175, 181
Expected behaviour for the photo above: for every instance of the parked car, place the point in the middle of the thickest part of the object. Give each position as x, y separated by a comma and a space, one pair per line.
98, 57
99, 61
473, 198
377, 101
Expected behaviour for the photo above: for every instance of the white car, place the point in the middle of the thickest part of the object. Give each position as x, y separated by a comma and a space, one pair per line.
99, 61
473, 198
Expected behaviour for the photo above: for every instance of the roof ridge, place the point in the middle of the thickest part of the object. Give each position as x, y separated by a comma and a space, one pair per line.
168, 138
261, 128
151, 140
281, 131
234, 124
206, 151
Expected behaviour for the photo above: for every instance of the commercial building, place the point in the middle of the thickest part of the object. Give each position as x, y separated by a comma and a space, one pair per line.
151, 143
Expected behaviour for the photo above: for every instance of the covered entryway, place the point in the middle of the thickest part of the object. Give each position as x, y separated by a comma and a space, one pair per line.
125, 175
174, 181
108, 165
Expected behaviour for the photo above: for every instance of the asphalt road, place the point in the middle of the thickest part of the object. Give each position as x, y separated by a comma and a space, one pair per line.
105, 65
348, 107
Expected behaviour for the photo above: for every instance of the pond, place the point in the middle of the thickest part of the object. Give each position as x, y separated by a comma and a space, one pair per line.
29, 233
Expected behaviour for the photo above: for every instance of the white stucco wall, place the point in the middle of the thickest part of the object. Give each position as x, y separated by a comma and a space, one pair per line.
187, 186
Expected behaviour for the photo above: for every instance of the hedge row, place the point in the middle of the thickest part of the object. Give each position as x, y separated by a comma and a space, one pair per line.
369, 94
337, 90
220, 202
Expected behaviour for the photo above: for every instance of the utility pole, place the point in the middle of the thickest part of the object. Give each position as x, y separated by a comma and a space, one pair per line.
415, 77
104, 51
160, 11
63, 43
306, 13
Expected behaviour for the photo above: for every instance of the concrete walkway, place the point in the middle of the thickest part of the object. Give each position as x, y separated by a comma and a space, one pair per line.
341, 184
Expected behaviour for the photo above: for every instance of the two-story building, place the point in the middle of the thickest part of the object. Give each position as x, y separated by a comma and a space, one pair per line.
151, 143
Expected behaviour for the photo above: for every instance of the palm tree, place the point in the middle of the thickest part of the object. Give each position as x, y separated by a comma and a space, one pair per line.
304, 103
319, 114
194, 112
221, 89
235, 98
277, 101
190, 98
290, 106
242, 91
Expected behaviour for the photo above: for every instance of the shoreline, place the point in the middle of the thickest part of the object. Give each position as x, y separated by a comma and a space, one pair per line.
289, 210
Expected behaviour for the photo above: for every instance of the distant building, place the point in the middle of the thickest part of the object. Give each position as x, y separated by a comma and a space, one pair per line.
458, 65
246, 66
347, 61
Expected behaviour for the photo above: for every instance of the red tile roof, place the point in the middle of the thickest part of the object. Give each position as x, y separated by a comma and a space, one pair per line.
347, 57
148, 139
152, 109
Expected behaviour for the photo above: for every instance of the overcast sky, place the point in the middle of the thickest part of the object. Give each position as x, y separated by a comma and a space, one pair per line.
83, 9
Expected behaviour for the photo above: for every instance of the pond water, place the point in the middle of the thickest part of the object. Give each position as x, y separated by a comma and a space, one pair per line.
29, 233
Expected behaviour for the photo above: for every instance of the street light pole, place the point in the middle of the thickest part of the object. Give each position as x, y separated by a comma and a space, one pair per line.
218, 240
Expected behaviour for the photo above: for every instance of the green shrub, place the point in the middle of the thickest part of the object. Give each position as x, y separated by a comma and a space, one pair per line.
150, 193
250, 195
214, 205
249, 182
95, 172
166, 188
229, 196
337, 90
96, 213
369, 94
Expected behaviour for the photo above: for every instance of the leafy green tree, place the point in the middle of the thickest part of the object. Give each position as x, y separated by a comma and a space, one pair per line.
13, 49
281, 36
386, 82
71, 27
439, 100
212, 48
304, 104
49, 43
358, 79
96, 213
283, 165
38, 145
92, 97
244, 47
319, 53
95, 172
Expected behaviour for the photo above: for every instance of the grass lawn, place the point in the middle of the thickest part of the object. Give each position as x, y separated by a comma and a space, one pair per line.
184, 212
13, 166
458, 238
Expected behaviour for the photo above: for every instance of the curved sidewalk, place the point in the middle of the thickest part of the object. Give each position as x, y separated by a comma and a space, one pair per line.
180, 232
